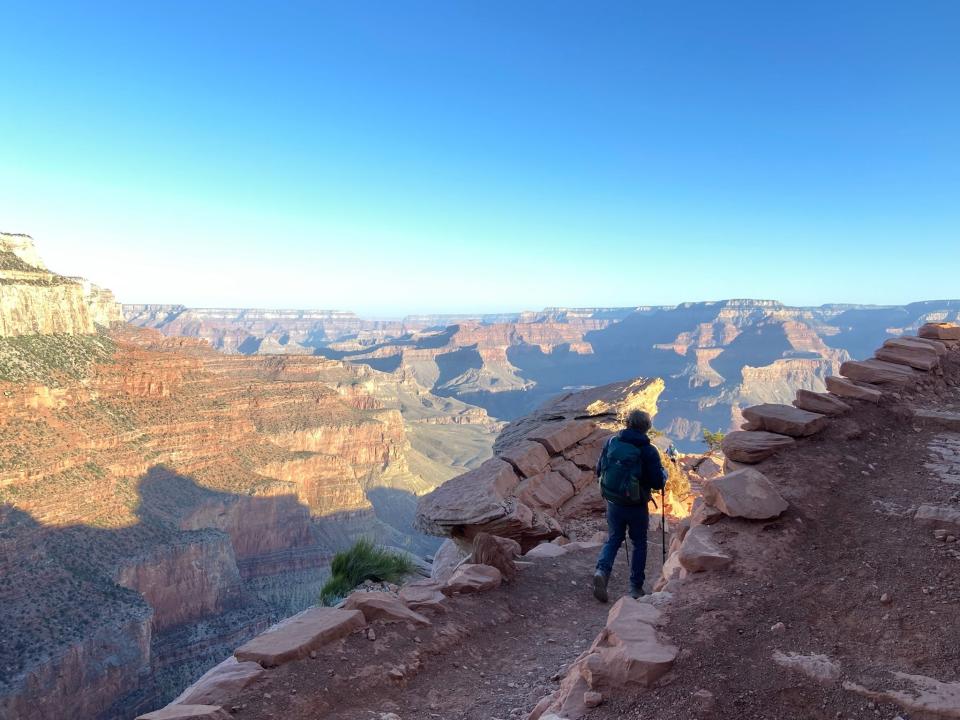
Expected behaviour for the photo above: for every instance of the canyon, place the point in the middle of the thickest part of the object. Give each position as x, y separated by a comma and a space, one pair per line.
161, 502
715, 357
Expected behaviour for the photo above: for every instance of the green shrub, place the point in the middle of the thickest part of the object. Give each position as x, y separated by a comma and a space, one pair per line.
363, 561
712, 440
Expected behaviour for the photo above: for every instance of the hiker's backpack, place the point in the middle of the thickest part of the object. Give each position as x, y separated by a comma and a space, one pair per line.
621, 477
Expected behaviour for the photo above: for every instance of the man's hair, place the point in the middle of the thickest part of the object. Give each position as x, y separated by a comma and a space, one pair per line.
639, 420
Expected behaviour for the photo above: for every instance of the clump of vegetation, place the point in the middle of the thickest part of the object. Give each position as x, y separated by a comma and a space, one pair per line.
49, 359
363, 561
712, 439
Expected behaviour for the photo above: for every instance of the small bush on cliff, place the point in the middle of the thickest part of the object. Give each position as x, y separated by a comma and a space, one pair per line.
363, 561
712, 440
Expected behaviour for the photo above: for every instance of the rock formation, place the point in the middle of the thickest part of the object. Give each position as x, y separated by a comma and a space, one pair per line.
34, 300
542, 472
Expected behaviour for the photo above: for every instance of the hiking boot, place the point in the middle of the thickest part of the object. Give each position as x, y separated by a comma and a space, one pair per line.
600, 586
636, 592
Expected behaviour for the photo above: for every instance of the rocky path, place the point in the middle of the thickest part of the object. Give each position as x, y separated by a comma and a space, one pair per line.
491, 656
845, 573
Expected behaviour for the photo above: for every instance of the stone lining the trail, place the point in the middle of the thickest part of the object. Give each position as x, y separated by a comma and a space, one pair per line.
822, 403
784, 419
220, 683
187, 712
842, 387
628, 653
752, 446
296, 636
745, 493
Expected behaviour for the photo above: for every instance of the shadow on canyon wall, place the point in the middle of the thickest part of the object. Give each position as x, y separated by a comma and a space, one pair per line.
116, 620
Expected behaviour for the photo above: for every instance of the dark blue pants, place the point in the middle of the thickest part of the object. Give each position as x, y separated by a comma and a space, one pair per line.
620, 519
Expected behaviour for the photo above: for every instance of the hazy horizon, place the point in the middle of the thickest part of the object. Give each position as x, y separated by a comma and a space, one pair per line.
472, 158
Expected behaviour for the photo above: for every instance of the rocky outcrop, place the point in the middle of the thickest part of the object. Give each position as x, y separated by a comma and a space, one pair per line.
543, 468
36, 301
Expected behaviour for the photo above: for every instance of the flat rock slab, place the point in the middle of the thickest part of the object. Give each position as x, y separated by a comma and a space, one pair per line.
877, 372
474, 578
785, 419
745, 493
816, 667
941, 418
915, 343
927, 697
221, 683
557, 437
424, 595
699, 552
940, 331
855, 391
938, 516
529, 458
383, 607
822, 403
474, 498
752, 446
188, 712
295, 637
912, 357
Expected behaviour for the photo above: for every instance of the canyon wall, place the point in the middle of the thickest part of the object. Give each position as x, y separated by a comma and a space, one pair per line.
161, 502
34, 300
716, 357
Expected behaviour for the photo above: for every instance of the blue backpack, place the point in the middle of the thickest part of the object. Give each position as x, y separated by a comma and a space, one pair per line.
621, 473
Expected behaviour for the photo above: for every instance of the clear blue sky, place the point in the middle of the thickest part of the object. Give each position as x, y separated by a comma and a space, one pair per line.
404, 156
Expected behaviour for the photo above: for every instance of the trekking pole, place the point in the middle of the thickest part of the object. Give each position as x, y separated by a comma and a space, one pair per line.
663, 528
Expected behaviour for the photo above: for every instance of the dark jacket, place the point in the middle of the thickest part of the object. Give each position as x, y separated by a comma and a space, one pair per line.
654, 476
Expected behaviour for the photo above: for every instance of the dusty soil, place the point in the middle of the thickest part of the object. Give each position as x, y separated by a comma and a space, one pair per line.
492, 656
820, 569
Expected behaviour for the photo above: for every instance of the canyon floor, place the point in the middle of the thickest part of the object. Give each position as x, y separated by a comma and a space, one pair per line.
846, 570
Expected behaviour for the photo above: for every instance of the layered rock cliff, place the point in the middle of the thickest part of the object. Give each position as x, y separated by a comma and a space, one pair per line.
161, 502
34, 300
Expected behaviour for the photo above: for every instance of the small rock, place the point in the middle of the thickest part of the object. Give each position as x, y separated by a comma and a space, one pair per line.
704, 701
778, 628
592, 699
940, 534
313, 654
951, 538
371, 634
885, 599
396, 674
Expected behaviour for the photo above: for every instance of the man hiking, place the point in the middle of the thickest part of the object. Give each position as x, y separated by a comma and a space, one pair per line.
628, 469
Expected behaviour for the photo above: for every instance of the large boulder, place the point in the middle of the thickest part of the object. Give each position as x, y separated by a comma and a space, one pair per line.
785, 420
470, 578
295, 637
855, 391
921, 359
940, 331
528, 458
822, 403
746, 494
383, 607
877, 372
700, 552
221, 683
474, 498
752, 446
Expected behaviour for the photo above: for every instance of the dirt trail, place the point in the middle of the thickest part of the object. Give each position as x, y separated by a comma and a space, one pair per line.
492, 656
821, 569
